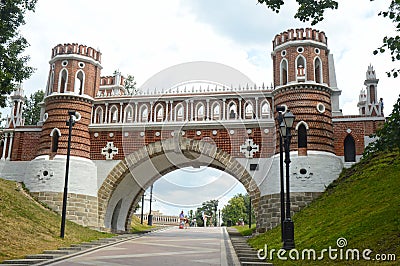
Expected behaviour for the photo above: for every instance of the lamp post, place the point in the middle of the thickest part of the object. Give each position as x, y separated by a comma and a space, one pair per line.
150, 216
141, 213
69, 123
288, 226
280, 109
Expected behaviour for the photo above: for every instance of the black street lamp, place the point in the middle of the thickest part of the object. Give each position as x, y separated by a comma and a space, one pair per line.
70, 123
280, 109
141, 212
288, 226
150, 216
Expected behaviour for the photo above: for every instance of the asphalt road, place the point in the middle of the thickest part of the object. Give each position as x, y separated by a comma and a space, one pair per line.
192, 246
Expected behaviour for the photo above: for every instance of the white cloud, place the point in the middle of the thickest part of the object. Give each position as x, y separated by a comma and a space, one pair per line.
144, 37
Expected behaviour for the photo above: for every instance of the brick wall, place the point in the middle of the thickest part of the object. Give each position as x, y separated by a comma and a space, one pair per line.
25, 145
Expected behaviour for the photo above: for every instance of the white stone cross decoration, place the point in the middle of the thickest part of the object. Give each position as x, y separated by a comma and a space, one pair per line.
109, 150
249, 148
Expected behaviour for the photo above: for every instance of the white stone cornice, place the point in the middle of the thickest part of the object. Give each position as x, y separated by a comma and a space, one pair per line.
75, 56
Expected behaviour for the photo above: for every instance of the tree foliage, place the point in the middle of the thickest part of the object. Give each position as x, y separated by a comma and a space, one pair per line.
209, 208
314, 10
237, 209
130, 85
13, 65
388, 137
32, 110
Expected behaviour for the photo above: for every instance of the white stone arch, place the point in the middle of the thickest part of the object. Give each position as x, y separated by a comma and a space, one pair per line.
179, 112
301, 123
55, 134
134, 174
249, 110
113, 114
98, 115
200, 113
216, 110
50, 83
63, 80
284, 72
79, 86
159, 113
300, 60
265, 109
232, 111
318, 70
128, 114
144, 113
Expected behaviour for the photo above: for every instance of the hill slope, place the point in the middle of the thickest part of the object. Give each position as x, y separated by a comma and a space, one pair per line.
28, 228
362, 206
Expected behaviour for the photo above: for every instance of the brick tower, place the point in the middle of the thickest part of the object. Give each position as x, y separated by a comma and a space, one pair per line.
302, 84
74, 80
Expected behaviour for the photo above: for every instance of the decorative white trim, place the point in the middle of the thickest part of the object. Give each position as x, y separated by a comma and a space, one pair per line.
320, 108
302, 123
249, 148
55, 130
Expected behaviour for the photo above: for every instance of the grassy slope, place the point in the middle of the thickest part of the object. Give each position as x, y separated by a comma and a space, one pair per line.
136, 226
28, 228
363, 206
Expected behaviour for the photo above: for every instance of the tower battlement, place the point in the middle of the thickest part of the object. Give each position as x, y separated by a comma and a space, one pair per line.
75, 48
299, 35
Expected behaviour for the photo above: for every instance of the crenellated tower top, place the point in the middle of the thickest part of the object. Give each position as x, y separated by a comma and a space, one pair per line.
300, 35
78, 49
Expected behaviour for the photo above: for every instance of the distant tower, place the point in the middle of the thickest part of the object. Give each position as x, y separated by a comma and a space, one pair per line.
74, 80
18, 101
368, 104
303, 74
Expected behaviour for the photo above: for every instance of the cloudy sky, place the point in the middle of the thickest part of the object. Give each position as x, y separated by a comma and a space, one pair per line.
144, 37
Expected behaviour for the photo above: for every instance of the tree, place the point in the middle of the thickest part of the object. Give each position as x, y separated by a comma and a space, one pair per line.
314, 10
208, 208
388, 137
237, 209
130, 85
13, 66
32, 110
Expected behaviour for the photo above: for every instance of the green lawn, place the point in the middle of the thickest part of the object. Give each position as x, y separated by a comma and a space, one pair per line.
28, 228
362, 206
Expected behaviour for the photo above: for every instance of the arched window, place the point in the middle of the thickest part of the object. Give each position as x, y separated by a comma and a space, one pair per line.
144, 113
62, 81
302, 136
79, 82
301, 67
128, 114
55, 135
349, 149
249, 112
284, 72
50, 84
318, 70
179, 112
232, 110
159, 113
113, 115
265, 110
200, 111
98, 115
216, 111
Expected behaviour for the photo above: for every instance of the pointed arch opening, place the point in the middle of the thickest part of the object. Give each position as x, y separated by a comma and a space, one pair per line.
216, 111
265, 109
98, 115
62, 81
159, 113
249, 110
113, 115
200, 111
55, 135
232, 110
301, 68
79, 82
349, 149
50, 84
284, 72
128, 114
179, 112
318, 70
144, 113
